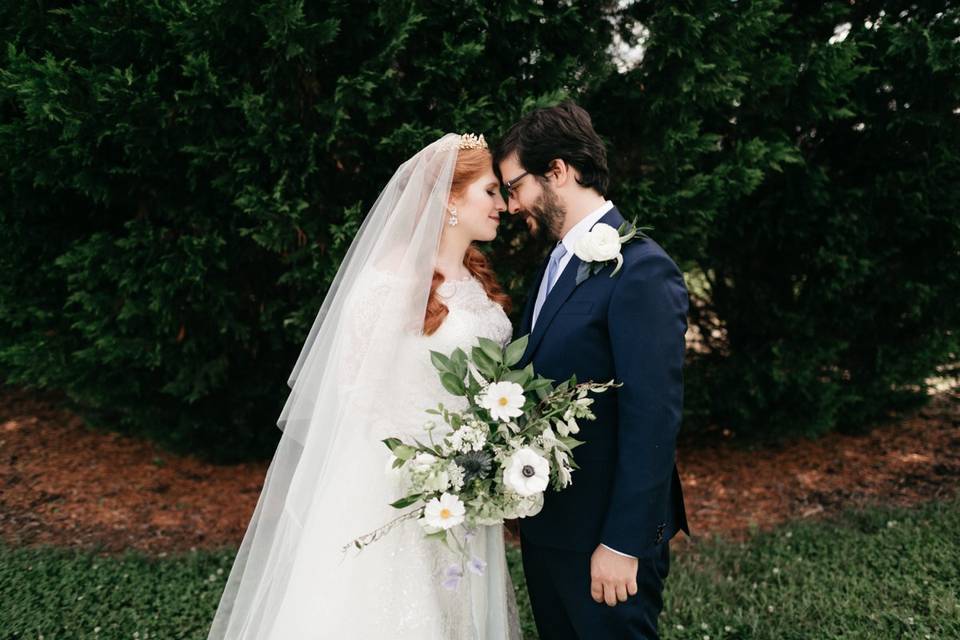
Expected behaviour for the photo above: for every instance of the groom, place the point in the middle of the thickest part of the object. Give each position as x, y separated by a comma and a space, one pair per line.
596, 556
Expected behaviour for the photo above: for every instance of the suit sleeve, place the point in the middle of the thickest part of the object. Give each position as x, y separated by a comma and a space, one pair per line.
646, 322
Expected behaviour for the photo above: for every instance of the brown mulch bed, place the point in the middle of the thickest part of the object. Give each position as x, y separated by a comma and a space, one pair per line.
64, 484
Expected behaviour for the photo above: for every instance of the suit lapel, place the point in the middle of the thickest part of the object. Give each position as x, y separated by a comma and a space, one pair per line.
560, 292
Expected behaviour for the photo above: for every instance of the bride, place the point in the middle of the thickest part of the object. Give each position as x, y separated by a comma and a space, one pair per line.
411, 282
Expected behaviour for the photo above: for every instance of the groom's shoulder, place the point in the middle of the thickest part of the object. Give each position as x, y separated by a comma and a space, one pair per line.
645, 251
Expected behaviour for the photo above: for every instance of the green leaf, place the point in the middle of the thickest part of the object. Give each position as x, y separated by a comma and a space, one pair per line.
539, 383
404, 451
427, 448
492, 349
583, 271
515, 350
459, 360
520, 376
453, 384
392, 443
486, 366
406, 501
441, 362
619, 265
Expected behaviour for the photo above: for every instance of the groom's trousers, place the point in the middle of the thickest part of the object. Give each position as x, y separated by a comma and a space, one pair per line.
558, 581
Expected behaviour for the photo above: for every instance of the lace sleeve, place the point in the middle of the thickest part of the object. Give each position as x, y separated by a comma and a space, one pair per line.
376, 320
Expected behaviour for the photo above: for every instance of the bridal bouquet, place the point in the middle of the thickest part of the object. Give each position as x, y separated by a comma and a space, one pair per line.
498, 456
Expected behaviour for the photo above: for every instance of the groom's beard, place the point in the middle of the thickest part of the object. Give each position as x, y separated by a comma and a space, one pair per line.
548, 212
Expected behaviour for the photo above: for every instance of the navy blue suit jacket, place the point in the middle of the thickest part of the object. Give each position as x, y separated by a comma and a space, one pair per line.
630, 328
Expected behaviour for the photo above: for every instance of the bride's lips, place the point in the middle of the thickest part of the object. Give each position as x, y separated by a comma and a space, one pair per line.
495, 219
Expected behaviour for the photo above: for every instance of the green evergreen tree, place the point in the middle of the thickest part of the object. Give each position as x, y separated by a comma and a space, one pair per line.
807, 177
180, 181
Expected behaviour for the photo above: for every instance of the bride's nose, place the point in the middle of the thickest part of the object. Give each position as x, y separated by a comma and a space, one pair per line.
499, 204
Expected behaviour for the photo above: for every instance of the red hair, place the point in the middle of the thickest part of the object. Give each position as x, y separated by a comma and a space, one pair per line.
470, 164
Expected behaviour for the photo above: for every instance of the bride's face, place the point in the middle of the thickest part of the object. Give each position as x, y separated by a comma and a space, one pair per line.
479, 208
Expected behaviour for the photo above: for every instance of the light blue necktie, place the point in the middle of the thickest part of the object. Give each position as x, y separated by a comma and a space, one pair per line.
550, 279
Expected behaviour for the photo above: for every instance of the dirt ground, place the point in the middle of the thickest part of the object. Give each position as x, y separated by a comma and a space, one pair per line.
64, 484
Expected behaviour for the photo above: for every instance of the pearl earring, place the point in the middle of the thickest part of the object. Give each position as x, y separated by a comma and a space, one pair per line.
452, 220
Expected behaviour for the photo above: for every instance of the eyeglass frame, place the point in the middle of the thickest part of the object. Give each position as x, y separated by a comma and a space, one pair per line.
509, 184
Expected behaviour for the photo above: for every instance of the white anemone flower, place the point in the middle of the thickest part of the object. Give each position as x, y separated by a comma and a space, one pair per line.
444, 512
504, 400
527, 472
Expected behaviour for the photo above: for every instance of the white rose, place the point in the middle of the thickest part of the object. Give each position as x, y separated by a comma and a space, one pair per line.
504, 400
423, 461
527, 472
436, 482
444, 512
601, 243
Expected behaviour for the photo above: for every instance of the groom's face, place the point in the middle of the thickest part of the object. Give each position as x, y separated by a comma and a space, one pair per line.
531, 198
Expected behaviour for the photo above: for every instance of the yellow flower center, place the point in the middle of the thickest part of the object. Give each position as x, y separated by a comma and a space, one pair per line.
503, 401
445, 513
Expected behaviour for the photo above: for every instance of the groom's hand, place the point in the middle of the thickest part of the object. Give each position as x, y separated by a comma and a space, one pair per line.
613, 577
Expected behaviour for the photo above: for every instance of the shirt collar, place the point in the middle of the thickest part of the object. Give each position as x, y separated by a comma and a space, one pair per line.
582, 227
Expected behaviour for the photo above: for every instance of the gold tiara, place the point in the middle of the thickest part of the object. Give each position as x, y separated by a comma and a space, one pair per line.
467, 141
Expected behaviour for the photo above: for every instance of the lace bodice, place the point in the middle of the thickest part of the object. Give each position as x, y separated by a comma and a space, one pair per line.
471, 314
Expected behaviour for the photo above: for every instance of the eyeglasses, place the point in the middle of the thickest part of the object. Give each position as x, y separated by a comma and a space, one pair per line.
510, 183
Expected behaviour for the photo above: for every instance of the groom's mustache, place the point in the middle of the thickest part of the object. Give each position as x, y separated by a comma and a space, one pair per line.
532, 222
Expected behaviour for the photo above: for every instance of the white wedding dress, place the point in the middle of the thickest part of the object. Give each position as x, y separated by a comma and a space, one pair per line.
392, 588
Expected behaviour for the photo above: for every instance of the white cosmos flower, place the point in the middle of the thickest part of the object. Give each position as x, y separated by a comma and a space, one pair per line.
601, 243
444, 512
504, 400
526, 472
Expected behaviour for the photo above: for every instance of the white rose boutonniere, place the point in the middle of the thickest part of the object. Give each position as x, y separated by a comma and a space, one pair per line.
601, 246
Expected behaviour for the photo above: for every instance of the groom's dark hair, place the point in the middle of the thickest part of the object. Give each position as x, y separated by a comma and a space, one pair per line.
564, 131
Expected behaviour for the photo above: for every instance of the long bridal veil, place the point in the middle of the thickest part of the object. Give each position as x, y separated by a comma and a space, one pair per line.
345, 374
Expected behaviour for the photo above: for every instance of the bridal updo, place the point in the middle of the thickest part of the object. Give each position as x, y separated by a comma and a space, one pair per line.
471, 163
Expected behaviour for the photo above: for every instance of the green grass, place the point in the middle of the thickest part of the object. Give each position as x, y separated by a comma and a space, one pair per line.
878, 574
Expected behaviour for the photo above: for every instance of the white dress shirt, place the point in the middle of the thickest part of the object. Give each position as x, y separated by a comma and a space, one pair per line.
569, 242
